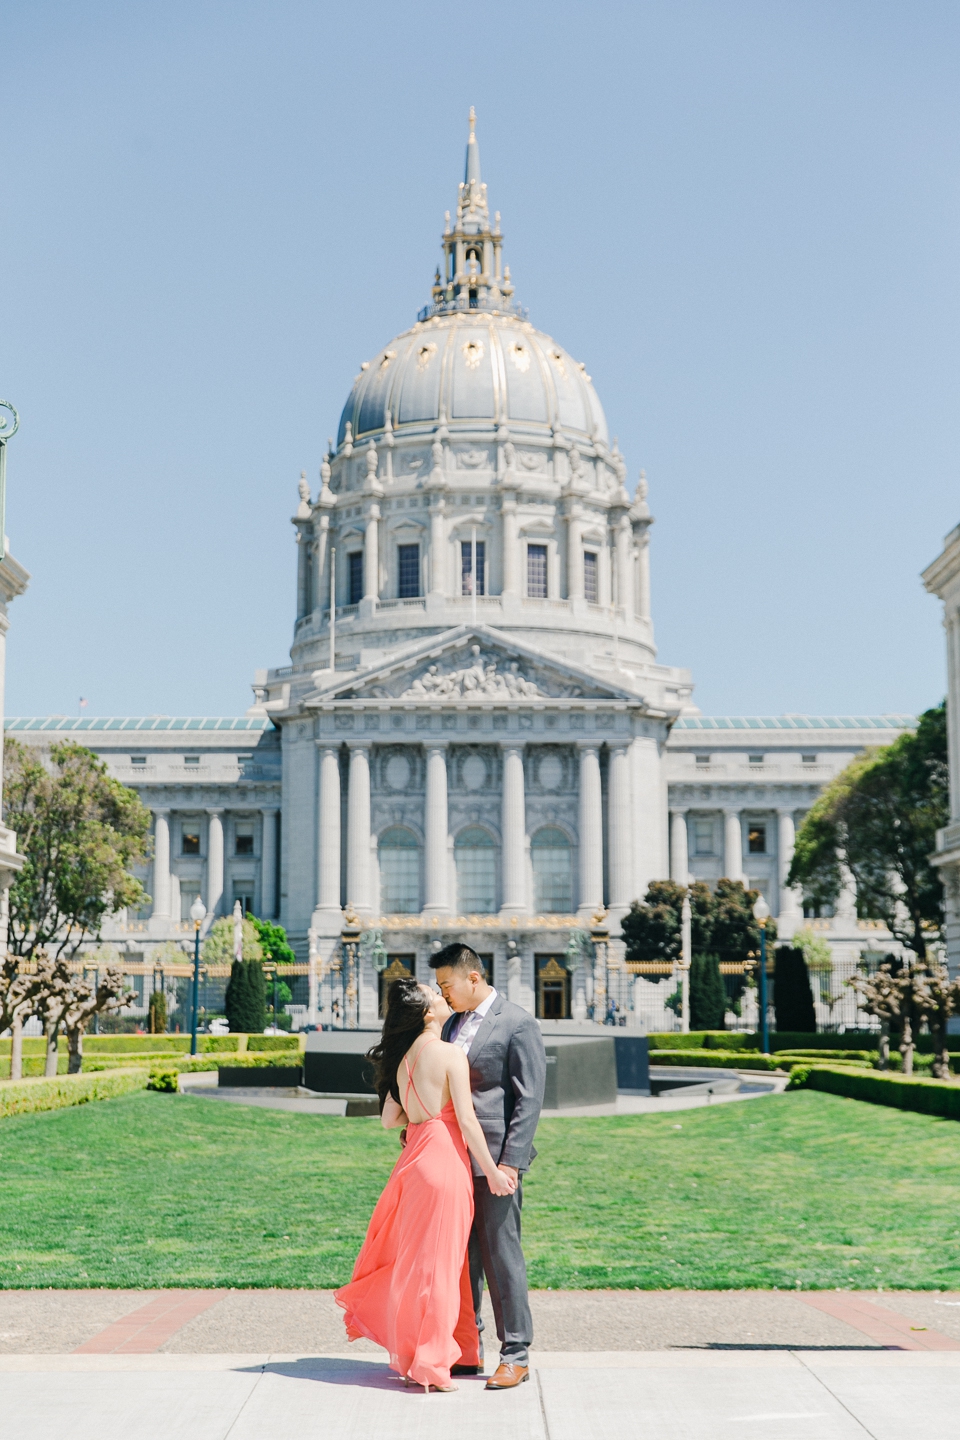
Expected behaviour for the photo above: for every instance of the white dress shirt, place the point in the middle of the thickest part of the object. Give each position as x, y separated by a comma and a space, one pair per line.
470, 1022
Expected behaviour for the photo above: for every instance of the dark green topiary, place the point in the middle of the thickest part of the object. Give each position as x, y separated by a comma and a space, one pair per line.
245, 1001
792, 996
708, 1000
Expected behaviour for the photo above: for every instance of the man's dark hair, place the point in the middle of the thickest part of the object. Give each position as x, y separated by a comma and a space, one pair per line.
457, 957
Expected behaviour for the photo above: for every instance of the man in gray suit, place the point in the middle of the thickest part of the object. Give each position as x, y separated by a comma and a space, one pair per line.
508, 1069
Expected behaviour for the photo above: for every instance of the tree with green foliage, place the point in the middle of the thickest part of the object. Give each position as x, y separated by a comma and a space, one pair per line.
792, 996
218, 947
245, 1001
157, 1007
80, 831
708, 998
879, 818
273, 941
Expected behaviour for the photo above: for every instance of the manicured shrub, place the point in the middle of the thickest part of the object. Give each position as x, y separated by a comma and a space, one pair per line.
903, 1092
273, 1042
708, 998
158, 1012
24, 1097
163, 1078
718, 1059
245, 1001
792, 996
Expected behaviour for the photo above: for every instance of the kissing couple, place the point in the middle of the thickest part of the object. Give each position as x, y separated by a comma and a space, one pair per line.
461, 1073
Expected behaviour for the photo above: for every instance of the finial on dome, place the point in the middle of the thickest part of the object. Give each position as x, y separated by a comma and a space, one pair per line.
471, 172
303, 509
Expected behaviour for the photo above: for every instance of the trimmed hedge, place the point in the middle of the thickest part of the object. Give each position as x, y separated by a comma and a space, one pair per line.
868, 1057
26, 1097
718, 1059
273, 1042
903, 1092
704, 1040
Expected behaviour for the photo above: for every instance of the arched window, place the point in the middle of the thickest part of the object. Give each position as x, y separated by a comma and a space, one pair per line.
552, 872
399, 873
476, 860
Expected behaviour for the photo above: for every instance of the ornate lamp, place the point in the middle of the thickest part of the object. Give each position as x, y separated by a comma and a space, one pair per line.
761, 913
198, 912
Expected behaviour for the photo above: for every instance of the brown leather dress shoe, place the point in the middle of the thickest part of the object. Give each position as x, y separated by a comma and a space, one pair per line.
508, 1377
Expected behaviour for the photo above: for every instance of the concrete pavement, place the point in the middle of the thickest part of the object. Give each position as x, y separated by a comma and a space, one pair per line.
208, 1365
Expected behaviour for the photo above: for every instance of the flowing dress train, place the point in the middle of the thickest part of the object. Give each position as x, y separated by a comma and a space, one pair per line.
410, 1290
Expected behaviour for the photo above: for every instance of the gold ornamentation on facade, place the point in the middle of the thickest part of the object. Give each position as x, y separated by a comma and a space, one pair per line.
473, 354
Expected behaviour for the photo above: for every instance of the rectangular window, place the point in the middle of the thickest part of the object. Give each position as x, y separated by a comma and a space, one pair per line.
189, 841
189, 890
191, 759
355, 577
408, 571
755, 759
757, 839
808, 759
466, 567
243, 891
703, 837
243, 840
703, 759
591, 585
537, 572
138, 759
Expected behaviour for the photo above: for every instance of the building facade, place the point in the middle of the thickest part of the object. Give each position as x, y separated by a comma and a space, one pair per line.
474, 736
942, 578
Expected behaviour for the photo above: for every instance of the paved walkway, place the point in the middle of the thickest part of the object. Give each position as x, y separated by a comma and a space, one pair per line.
229, 1364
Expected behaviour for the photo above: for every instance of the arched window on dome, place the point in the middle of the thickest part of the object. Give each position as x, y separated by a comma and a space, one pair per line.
399, 855
476, 860
552, 872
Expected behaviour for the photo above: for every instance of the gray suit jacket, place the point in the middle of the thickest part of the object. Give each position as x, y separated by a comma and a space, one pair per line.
508, 1072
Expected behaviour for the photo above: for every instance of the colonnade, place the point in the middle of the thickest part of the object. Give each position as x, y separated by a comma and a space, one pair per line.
437, 900
161, 884
790, 900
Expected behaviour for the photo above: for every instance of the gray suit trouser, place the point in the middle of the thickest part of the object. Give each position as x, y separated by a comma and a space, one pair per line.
495, 1252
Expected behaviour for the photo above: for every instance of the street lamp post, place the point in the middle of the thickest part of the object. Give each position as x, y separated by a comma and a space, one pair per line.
686, 960
600, 935
270, 970
761, 913
198, 913
350, 939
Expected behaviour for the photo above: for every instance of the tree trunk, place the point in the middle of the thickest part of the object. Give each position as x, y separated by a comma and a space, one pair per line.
75, 1063
52, 1052
884, 1061
906, 1046
16, 1049
941, 1055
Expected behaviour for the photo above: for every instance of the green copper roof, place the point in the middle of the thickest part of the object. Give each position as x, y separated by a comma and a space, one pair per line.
796, 722
146, 722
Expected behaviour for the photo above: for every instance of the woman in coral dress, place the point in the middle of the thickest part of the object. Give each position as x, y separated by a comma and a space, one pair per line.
410, 1290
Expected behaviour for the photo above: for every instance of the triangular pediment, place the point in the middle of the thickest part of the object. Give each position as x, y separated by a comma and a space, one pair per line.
470, 663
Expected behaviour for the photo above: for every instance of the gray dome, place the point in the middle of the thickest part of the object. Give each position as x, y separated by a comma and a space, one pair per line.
479, 369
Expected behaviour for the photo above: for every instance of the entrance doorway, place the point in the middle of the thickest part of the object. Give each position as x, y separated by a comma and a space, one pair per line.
553, 988
398, 967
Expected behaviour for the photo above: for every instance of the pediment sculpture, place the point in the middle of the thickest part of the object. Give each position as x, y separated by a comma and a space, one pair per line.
482, 677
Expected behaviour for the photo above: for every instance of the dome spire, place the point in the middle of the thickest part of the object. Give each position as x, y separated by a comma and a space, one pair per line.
473, 275
471, 170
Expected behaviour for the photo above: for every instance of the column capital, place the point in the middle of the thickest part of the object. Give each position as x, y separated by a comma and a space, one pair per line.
731, 810
214, 809
786, 810
510, 742
269, 809
160, 810
360, 742
429, 745
679, 809
588, 744
324, 744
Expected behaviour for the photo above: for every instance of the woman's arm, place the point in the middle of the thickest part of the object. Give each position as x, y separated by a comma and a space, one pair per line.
458, 1075
392, 1116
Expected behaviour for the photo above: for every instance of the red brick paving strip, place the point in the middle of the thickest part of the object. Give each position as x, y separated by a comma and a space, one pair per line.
892, 1330
143, 1331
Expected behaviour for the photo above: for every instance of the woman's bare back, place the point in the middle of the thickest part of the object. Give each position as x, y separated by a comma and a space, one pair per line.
423, 1078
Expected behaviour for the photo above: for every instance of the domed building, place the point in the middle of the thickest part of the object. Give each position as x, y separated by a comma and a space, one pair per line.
474, 717
473, 738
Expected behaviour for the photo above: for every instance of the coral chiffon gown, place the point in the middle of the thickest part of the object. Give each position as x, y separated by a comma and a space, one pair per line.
410, 1290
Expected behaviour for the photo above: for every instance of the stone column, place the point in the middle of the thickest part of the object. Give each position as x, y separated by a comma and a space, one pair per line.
321, 574
591, 830
511, 552
643, 577
438, 540
574, 555
214, 862
328, 830
732, 845
624, 587
679, 852
268, 864
358, 827
303, 576
161, 866
435, 830
371, 556
513, 834
790, 898
620, 828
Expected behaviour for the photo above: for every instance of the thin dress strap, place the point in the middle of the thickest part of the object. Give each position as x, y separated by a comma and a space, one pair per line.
410, 1082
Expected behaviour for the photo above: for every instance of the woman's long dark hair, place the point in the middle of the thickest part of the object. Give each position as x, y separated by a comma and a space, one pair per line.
405, 1018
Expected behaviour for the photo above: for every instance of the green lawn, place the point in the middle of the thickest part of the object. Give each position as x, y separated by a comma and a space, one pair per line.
154, 1190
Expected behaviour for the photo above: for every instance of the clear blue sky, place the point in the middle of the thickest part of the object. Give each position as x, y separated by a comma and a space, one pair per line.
742, 216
